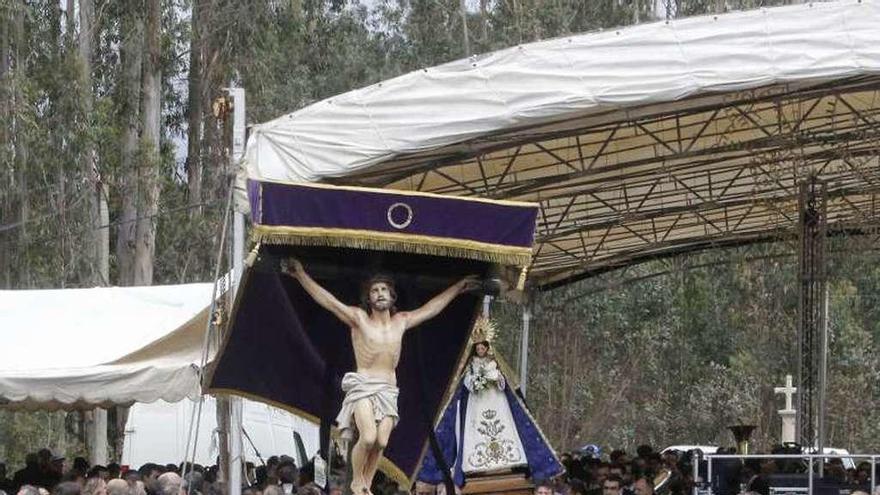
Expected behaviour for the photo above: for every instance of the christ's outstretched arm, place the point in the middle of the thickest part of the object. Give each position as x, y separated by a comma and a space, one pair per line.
433, 307
346, 313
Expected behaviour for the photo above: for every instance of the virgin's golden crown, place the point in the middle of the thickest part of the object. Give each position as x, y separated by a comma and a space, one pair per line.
484, 330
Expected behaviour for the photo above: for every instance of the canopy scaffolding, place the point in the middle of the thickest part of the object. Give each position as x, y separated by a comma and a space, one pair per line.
649, 141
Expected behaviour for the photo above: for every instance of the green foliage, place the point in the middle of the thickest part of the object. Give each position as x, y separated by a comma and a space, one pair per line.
667, 351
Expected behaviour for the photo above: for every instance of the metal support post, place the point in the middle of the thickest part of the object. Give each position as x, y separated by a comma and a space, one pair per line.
823, 373
709, 472
811, 311
97, 440
236, 461
524, 349
810, 478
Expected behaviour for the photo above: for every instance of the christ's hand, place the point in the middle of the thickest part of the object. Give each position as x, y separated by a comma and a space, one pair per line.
470, 283
294, 268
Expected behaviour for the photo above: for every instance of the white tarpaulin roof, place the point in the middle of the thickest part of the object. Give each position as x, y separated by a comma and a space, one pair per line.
644, 142
80, 348
562, 78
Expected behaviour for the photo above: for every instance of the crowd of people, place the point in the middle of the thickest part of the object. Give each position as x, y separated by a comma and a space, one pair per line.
672, 472
586, 473
46, 473
649, 472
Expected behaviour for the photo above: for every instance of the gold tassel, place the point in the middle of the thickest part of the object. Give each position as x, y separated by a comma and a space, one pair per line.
252, 256
523, 274
435, 246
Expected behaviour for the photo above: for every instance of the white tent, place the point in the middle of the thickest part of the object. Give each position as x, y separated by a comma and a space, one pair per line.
81, 348
159, 432
140, 346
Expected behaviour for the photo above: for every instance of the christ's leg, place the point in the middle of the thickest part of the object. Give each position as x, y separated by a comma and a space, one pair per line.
366, 425
383, 432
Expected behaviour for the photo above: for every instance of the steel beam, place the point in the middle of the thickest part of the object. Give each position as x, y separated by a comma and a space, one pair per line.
812, 234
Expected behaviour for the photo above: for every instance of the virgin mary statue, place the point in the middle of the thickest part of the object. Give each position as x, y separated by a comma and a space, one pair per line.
486, 428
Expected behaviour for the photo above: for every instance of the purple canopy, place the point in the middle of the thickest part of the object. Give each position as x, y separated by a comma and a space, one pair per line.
283, 349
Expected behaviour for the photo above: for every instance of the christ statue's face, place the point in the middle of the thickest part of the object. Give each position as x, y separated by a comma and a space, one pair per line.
381, 298
481, 349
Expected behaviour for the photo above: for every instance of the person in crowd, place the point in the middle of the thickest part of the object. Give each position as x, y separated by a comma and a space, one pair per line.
272, 490
618, 457
599, 473
334, 487
543, 488
74, 476
288, 476
95, 486
49, 468
6, 485
577, 487
643, 486
118, 486
169, 483
612, 485
620, 471
98, 471
194, 481
132, 477
753, 480
149, 473
67, 488
81, 464
29, 474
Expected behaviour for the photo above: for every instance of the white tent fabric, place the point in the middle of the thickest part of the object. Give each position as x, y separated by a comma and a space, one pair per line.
568, 77
81, 348
159, 432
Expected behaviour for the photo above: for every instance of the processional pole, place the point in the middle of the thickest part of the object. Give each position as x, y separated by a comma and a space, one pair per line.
812, 314
236, 460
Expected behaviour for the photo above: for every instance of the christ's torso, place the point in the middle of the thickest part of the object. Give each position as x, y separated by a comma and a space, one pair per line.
377, 347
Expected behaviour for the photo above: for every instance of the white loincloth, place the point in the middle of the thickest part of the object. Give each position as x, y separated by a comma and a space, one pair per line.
382, 396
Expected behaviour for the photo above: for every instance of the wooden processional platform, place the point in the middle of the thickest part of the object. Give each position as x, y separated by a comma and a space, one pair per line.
509, 483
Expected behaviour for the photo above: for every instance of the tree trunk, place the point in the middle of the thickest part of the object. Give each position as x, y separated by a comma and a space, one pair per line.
97, 237
194, 114
20, 144
465, 39
69, 22
484, 23
5, 206
132, 54
148, 204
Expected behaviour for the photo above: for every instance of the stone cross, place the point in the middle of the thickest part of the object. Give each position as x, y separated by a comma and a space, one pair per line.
788, 414
788, 390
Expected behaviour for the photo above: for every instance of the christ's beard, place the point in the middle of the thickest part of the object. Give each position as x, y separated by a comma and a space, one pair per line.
383, 305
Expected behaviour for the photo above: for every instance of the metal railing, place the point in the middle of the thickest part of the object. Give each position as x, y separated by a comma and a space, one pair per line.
810, 463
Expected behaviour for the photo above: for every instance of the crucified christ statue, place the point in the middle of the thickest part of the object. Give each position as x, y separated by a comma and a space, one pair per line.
377, 333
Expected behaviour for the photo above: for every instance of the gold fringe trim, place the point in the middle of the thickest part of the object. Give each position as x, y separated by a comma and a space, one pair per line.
502, 202
392, 241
